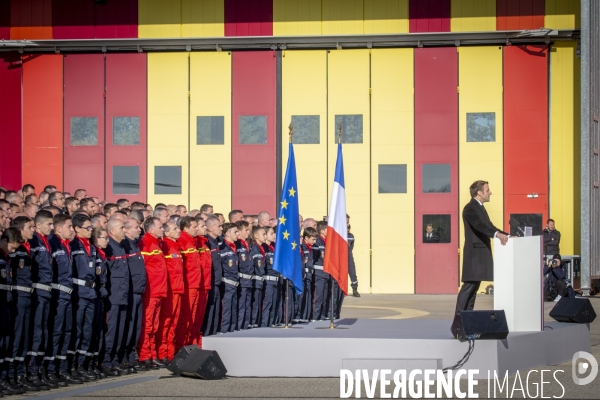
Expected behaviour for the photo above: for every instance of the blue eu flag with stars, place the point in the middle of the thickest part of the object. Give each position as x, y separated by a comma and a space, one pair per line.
288, 260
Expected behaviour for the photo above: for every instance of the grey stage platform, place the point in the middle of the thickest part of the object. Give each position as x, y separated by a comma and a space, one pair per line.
391, 344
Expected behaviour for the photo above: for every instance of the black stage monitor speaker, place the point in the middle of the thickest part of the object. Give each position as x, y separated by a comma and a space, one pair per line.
182, 355
204, 364
573, 309
478, 325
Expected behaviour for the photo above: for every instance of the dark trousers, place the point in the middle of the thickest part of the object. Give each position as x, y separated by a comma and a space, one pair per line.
289, 305
279, 303
269, 302
5, 334
212, 317
61, 326
229, 322
332, 295
116, 316
244, 307
321, 291
97, 341
135, 313
339, 300
39, 333
306, 307
352, 273
21, 319
257, 303
466, 296
84, 321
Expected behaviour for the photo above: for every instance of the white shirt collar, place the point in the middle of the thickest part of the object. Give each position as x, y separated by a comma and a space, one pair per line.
480, 203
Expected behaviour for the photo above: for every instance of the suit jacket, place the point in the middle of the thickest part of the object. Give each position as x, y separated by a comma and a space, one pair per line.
478, 264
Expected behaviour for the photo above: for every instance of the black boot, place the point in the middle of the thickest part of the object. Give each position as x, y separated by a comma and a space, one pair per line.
355, 293
26, 385
35, 380
71, 380
10, 388
55, 380
52, 384
159, 363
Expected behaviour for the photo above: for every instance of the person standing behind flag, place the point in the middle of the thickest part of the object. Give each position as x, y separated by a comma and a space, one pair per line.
309, 237
271, 280
246, 270
229, 263
321, 277
257, 253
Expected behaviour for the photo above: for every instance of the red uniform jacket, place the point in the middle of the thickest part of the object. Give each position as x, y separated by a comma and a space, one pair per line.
156, 267
205, 260
192, 270
172, 254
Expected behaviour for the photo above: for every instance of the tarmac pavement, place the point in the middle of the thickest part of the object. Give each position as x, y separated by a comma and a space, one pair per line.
161, 384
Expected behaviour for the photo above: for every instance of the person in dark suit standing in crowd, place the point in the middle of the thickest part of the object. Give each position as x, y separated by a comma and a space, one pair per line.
478, 264
551, 240
430, 236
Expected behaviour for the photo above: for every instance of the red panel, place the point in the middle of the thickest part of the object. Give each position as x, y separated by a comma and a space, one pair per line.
5, 20
117, 19
519, 14
10, 120
126, 97
84, 97
43, 120
31, 19
525, 128
248, 18
73, 19
436, 142
429, 15
253, 169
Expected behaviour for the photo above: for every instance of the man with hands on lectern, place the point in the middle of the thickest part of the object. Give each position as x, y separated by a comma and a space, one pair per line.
478, 264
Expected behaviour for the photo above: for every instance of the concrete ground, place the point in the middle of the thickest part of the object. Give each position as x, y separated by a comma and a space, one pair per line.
163, 385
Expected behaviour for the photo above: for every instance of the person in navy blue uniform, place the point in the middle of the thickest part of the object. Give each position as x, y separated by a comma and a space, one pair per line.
61, 309
137, 287
257, 253
271, 281
10, 241
246, 271
351, 264
83, 255
20, 263
42, 283
309, 237
212, 317
116, 304
229, 264
100, 239
322, 278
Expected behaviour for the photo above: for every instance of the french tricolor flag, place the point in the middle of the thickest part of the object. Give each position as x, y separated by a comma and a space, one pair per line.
336, 253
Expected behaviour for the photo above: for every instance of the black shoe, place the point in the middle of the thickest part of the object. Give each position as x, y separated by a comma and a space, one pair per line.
10, 388
70, 379
122, 371
144, 366
126, 367
35, 380
111, 371
53, 384
53, 379
165, 361
355, 293
82, 374
99, 374
26, 385
159, 363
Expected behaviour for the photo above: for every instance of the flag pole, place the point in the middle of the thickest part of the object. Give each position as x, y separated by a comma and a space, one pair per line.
287, 281
331, 317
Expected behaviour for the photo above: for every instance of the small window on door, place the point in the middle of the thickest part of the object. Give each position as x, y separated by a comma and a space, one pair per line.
167, 180
392, 178
253, 129
352, 128
306, 129
126, 179
126, 131
84, 131
436, 178
210, 130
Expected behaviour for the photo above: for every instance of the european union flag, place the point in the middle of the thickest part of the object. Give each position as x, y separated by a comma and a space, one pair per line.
288, 260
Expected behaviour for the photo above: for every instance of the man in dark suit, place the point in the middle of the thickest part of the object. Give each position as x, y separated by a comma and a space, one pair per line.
429, 236
478, 264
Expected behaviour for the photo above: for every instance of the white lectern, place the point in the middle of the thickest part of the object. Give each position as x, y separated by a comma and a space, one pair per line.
518, 282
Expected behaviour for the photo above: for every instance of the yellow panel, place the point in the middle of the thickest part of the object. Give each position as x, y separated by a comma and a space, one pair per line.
563, 14
202, 18
159, 18
296, 17
348, 93
565, 202
392, 142
386, 16
210, 95
305, 93
473, 15
342, 17
168, 121
480, 82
